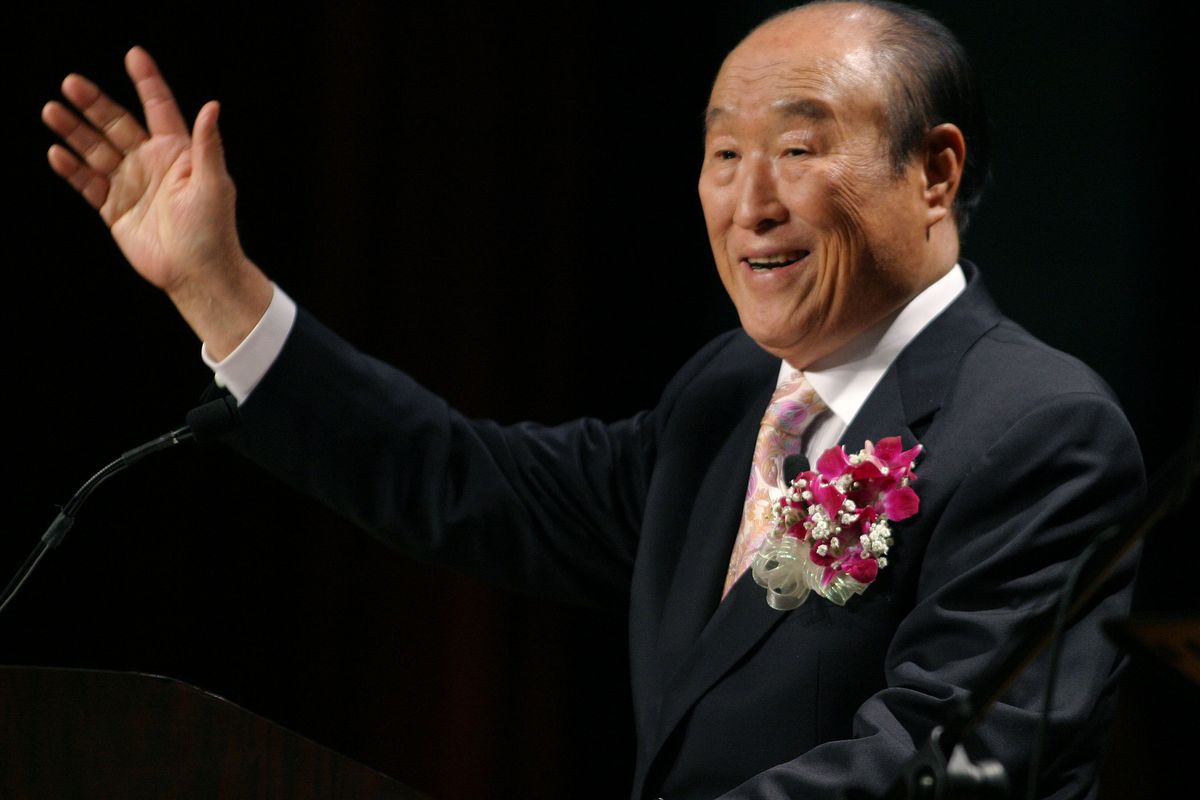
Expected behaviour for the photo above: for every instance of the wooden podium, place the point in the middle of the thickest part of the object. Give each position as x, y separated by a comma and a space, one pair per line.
77, 733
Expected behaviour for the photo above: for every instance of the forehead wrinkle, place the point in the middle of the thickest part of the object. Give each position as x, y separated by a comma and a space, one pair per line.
800, 96
853, 70
740, 79
751, 73
802, 105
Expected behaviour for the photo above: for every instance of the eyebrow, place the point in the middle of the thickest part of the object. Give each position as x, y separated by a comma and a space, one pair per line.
809, 109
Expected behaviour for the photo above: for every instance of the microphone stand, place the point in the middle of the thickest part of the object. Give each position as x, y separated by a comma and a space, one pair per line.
208, 420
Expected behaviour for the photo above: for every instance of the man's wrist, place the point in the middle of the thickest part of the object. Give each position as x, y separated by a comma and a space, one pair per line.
223, 307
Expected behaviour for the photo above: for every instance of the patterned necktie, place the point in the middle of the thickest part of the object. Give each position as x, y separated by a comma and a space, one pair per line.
792, 408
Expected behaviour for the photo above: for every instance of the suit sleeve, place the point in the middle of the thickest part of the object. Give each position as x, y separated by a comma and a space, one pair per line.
997, 556
548, 509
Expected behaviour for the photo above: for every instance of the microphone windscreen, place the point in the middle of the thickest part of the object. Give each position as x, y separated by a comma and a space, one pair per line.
214, 418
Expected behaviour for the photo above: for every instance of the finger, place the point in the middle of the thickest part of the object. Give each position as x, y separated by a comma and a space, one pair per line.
158, 104
114, 122
89, 183
95, 149
209, 151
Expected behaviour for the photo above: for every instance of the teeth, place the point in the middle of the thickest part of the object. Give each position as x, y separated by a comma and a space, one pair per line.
778, 260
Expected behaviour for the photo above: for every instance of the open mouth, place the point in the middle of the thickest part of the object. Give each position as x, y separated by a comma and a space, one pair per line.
775, 261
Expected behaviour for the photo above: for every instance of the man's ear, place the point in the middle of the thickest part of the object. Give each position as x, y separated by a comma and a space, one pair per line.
945, 154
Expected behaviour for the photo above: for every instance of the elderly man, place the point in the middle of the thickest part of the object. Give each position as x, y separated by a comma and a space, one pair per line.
839, 165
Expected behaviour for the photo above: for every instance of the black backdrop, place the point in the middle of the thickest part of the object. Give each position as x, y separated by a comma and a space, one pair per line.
500, 199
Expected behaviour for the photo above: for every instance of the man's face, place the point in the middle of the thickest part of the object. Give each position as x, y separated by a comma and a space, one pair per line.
815, 236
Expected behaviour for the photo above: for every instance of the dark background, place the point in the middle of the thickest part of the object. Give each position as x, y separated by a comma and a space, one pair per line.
501, 200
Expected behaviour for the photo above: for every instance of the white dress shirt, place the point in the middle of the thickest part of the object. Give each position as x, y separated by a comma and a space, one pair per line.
241, 370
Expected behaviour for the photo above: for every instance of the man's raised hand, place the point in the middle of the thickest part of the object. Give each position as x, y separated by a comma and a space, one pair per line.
165, 195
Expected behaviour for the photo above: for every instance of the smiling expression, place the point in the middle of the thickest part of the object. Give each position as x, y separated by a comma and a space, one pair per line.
816, 236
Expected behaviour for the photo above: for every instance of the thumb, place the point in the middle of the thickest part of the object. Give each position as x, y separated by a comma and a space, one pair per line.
208, 159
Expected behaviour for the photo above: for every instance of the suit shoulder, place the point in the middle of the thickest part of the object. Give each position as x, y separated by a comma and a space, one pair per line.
721, 375
1010, 386
1008, 361
731, 356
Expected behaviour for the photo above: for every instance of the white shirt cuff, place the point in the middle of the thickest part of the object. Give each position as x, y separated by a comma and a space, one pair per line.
241, 370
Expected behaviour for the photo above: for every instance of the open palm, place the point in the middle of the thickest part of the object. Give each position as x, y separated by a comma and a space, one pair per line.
166, 196
164, 193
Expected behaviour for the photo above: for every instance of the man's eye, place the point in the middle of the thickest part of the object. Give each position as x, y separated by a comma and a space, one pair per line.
725, 155
795, 151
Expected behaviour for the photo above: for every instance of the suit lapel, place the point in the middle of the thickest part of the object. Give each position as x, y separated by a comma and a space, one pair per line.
923, 373
881, 416
697, 582
740, 621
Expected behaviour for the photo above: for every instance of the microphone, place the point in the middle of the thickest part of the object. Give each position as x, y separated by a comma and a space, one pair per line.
204, 423
213, 419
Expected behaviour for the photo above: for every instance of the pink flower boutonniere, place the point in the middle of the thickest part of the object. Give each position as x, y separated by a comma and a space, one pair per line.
831, 529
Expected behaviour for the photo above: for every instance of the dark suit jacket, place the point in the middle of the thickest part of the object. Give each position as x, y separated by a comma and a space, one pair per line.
1026, 456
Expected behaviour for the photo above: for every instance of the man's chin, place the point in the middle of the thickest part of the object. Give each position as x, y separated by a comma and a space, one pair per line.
793, 349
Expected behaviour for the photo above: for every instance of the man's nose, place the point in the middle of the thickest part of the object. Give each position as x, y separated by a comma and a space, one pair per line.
758, 205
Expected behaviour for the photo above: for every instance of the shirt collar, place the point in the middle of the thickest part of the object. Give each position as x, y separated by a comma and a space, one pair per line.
845, 378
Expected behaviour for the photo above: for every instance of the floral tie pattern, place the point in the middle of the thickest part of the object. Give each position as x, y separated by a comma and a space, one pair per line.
792, 408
